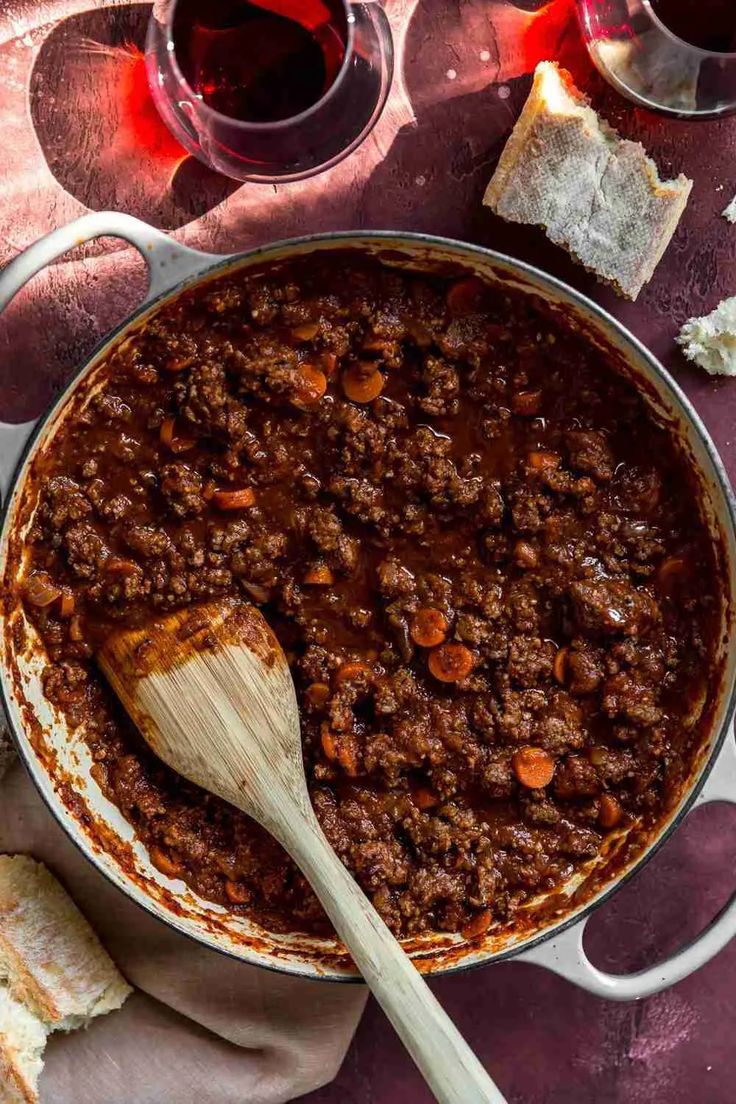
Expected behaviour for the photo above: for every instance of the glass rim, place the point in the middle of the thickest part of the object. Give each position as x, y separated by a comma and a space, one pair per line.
241, 124
727, 55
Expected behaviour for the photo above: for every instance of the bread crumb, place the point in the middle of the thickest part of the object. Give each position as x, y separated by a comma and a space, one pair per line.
710, 341
730, 212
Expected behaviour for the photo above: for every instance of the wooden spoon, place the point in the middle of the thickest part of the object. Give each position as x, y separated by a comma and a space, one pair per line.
211, 691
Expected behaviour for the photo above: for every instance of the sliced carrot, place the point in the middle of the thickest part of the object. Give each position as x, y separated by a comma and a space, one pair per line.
237, 893
177, 364
116, 565
75, 629
306, 331
39, 589
559, 668
318, 694
329, 744
428, 627
425, 798
166, 432
66, 605
182, 444
361, 387
329, 363
235, 500
533, 767
526, 555
348, 760
451, 662
526, 403
543, 461
319, 575
478, 926
165, 862
466, 296
311, 386
671, 570
597, 755
351, 671
168, 438
609, 811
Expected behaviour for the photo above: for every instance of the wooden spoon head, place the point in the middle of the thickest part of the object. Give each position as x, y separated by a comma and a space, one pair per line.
211, 692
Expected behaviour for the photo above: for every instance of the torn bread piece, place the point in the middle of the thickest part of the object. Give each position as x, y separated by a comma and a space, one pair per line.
54, 972
22, 1043
595, 193
711, 341
730, 212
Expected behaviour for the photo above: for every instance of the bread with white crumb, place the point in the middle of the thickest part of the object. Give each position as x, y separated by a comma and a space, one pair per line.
596, 194
54, 972
730, 211
711, 341
22, 1043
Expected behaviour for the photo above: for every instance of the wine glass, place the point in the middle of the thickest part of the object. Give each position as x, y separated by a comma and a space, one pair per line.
351, 42
658, 52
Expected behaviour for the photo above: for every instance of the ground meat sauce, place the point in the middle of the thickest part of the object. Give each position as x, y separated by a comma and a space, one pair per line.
485, 562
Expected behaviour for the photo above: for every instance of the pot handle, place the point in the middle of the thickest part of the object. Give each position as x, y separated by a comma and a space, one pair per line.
168, 264
565, 954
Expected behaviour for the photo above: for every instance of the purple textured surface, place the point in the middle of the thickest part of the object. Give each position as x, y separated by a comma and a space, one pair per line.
466, 70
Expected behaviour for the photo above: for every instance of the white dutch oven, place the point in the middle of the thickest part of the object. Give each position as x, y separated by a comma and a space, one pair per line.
549, 933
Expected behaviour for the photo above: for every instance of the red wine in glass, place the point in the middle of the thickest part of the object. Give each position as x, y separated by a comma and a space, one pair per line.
707, 24
260, 61
269, 90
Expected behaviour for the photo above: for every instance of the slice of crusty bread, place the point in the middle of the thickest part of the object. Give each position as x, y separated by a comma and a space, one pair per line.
54, 973
711, 341
22, 1043
596, 194
730, 211
52, 959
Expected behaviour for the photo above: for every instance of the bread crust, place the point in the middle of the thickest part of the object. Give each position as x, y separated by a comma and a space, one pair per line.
54, 962
596, 194
54, 972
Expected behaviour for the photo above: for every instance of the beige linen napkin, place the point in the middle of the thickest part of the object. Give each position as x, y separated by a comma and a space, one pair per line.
202, 1027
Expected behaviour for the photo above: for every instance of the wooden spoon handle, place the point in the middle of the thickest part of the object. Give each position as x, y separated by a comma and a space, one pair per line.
448, 1064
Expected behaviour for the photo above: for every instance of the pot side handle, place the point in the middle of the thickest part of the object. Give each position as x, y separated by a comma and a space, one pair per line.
167, 261
565, 954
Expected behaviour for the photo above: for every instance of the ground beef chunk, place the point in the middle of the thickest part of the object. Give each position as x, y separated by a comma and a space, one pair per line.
585, 668
182, 486
147, 540
207, 403
85, 550
530, 660
65, 501
328, 534
612, 606
560, 728
624, 695
589, 452
442, 385
576, 777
